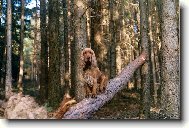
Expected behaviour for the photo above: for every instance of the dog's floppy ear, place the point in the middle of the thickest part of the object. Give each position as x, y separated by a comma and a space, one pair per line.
81, 61
94, 61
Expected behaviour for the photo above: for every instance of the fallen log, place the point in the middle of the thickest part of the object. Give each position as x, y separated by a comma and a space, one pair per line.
87, 106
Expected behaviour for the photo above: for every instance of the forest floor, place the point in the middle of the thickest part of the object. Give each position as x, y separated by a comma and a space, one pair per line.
124, 105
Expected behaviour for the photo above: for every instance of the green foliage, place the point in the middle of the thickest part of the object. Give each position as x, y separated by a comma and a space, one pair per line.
16, 26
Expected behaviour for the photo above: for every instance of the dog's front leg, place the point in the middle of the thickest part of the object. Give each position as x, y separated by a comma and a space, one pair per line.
103, 83
87, 91
94, 88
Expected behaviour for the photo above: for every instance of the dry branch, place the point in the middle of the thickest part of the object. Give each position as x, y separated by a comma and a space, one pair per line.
87, 106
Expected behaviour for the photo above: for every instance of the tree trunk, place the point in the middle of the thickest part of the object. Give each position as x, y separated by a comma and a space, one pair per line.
79, 45
170, 99
35, 51
54, 95
62, 49
112, 48
2, 55
104, 66
145, 103
97, 41
21, 71
88, 15
2, 49
72, 49
86, 107
136, 45
8, 80
44, 53
152, 36
66, 48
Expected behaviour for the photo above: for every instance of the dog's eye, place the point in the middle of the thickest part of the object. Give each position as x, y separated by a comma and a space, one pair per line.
91, 52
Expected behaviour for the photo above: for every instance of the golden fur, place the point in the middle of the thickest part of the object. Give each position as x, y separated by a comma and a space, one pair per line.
95, 80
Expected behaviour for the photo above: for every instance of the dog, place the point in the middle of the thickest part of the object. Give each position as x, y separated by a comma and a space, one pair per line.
95, 80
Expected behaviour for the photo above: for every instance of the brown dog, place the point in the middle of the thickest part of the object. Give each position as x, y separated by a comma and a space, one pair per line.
94, 79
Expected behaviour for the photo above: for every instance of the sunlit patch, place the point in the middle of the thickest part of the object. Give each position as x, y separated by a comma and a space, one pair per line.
98, 38
80, 4
116, 15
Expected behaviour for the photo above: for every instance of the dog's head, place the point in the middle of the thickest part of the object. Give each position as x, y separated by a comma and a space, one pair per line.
88, 58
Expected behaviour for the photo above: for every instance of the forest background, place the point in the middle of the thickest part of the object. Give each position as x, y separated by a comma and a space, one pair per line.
115, 42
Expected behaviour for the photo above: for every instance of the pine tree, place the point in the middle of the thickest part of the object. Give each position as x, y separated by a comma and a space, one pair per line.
54, 95
170, 99
8, 79
79, 45
44, 53
21, 71
145, 110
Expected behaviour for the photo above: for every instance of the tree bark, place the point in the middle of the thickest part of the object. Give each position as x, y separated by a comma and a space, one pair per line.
8, 80
137, 46
44, 53
21, 71
86, 107
35, 47
66, 48
72, 47
97, 43
2, 47
145, 103
152, 36
170, 99
112, 48
54, 95
79, 44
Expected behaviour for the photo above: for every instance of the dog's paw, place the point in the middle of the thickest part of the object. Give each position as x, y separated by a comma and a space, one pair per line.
93, 96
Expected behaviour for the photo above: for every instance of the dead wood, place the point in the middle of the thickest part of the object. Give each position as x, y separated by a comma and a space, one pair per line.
87, 106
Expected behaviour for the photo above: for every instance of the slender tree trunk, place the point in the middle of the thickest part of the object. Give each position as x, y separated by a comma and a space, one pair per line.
136, 45
8, 80
62, 49
96, 29
72, 46
88, 15
152, 37
2, 54
44, 53
2, 48
170, 99
35, 49
80, 44
119, 32
54, 92
66, 48
104, 66
21, 71
112, 48
158, 55
145, 106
